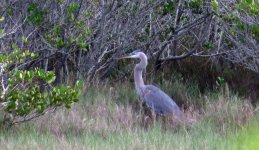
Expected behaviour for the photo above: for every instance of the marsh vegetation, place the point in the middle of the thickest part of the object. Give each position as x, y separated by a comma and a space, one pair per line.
107, 118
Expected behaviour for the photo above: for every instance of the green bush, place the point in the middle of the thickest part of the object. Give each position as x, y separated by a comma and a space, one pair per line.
26, 94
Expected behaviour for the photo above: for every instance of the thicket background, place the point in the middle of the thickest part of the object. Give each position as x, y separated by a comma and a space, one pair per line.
78, 39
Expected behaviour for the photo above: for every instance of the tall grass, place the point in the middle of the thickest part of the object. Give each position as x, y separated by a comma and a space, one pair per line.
106, 118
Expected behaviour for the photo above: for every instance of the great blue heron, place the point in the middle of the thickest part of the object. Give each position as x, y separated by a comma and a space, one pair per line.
157, 100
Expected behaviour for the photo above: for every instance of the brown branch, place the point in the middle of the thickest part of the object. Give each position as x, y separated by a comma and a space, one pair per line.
189, 53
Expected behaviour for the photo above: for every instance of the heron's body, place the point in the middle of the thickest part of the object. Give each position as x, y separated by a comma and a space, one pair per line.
160, 102
155, 98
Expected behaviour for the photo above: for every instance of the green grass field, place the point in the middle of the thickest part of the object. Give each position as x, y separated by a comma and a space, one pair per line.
107, 119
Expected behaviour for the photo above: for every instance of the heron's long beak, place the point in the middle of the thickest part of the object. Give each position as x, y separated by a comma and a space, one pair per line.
123, 57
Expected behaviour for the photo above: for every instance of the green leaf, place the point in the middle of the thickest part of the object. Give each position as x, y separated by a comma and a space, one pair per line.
2, 33
14, 45
196, 5
168, 7
255, 32
73, 7
76, 100
57, 30
215, 5
79, 83
21, 75
60, 42
50, 79
68, 105
86, 14
39, 109
36, 14
2, 18
24, 40
34, 56
249, 1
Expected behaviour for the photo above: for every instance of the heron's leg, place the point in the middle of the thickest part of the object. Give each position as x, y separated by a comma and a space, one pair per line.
148, 119
164, 123
141, 103
153, 117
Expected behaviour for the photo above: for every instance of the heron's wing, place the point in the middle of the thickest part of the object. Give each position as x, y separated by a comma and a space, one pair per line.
159, 101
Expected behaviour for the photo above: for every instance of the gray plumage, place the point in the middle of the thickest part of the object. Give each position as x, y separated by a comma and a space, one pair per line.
156, 99
160, 102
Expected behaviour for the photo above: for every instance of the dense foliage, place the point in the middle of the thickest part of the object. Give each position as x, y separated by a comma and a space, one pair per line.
26, 94
81, 37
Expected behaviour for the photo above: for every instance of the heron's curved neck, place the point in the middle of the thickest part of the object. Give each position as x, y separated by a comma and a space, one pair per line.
138, 70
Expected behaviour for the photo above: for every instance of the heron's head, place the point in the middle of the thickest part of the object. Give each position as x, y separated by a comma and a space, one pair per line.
134, 54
